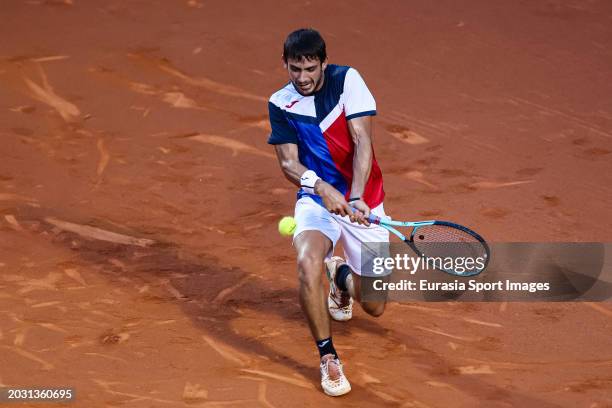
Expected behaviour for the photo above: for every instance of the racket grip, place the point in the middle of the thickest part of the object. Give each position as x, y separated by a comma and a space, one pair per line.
374, 219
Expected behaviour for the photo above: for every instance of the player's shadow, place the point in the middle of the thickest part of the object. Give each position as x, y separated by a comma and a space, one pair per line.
214, 296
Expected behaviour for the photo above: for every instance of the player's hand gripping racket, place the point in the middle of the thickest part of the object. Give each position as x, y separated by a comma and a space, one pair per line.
443, 240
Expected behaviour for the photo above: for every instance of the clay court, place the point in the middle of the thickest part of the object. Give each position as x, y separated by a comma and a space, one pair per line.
139, 258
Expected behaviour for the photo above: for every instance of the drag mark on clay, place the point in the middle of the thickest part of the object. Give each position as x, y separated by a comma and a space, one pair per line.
23, 109
158, 323
495, 212
486, 185
50, 58
195, 4
261, 395
109, 317
293, 381
48, 283
75, 275
368, 379
223, 294
106, 385
262, 388
16, 197
13, 222
145, 89
175, 99
418, 177
388, 397
260, 122
45, 365
438, 384
164, 65
406, 135
466, 319
165, 283
426, 309
52, 327
45, 304
112, 358
179, 100
554, 112
514, 365
45, 94
227, 352
104, 157
194, 392
441, 333
430, 127
20, 338
483, 145
234, 145
145, 111
472, 370
599, 308
99, 234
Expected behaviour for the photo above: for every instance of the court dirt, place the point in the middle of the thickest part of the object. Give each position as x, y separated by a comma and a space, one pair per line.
139, 258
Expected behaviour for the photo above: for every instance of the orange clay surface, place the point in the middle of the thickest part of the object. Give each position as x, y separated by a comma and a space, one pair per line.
139, 257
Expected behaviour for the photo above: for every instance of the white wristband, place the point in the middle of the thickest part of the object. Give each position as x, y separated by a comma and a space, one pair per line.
308, 181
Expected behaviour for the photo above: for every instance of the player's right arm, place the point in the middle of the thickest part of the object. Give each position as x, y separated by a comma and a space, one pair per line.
293, 169
284, 138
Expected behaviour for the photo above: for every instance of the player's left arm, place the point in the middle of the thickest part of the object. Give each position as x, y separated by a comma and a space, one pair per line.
359, 107
360, 129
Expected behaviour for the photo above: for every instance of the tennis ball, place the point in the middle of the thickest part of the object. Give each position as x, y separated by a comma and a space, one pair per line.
286, 226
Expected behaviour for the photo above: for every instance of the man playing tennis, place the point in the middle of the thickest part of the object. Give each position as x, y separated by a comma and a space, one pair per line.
321, 130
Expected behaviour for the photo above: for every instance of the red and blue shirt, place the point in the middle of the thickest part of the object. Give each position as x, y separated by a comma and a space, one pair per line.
318, 125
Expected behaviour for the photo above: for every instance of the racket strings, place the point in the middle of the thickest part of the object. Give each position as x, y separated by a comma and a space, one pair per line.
442, 233
445, 242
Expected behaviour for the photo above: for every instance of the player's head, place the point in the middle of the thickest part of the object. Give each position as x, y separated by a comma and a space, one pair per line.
305, 59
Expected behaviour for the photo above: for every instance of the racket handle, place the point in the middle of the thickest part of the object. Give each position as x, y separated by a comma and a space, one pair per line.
374, 219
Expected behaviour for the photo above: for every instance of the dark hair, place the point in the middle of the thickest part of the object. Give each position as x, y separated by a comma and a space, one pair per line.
304, 43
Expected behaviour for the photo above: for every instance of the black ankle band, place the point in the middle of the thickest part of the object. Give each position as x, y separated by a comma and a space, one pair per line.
326, 346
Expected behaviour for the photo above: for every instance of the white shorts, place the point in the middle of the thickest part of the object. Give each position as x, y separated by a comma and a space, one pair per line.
311, 216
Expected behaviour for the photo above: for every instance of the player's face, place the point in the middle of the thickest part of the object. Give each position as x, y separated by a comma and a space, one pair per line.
306, 74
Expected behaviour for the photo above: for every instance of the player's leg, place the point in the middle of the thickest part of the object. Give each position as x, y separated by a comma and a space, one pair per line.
347, 274
372, 307
348, 284
312, 247
315, 238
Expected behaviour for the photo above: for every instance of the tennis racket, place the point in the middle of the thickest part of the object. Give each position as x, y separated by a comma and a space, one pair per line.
442, 240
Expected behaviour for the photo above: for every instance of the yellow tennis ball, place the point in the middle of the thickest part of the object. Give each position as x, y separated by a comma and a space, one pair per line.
286, 226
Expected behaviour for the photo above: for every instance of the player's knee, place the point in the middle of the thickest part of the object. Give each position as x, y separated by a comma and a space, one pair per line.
309, 270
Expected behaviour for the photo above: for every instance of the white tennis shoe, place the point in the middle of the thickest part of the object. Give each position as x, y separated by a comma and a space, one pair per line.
339, 303
333, 380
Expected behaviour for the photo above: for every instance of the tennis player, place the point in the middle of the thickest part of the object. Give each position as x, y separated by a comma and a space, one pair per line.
322, 133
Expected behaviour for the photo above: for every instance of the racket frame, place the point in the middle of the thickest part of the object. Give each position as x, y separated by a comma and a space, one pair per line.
388, 224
